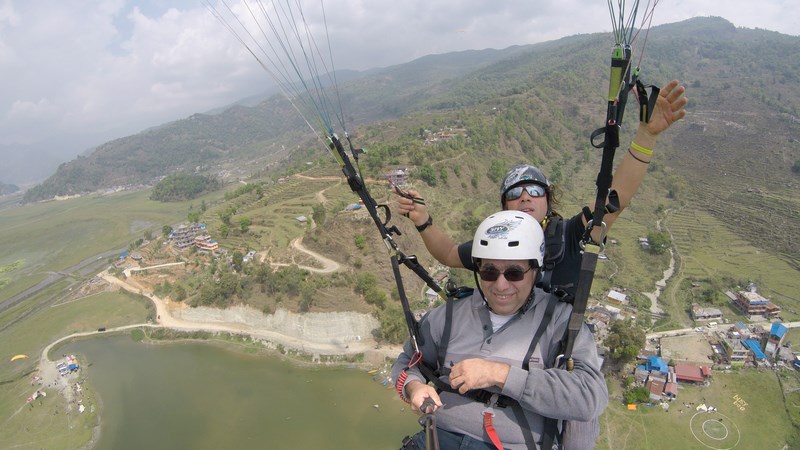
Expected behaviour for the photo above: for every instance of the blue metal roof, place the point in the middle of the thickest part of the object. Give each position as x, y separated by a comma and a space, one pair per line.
752, 344
655, 362
778, 329
740, 325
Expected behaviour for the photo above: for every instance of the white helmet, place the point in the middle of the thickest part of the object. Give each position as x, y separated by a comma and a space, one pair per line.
509, 235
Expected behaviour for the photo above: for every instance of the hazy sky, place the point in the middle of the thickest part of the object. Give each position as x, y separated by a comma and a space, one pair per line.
78, 73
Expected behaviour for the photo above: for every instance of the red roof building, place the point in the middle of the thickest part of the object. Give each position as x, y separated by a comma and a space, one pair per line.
689, 372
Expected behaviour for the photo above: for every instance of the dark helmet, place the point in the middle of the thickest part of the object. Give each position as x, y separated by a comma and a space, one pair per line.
525, 174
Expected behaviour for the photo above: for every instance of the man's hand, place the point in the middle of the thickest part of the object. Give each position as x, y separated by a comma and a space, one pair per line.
476, 373
668, 109
414, 210
417, 392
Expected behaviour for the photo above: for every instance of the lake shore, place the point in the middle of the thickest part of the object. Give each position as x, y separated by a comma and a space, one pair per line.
310, 339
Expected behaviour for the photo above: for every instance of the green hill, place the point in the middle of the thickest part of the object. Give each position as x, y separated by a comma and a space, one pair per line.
731, 159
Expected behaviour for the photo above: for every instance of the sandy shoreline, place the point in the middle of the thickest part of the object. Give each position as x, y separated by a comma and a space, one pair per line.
314, 334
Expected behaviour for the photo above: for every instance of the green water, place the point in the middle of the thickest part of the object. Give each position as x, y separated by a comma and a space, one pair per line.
196, 396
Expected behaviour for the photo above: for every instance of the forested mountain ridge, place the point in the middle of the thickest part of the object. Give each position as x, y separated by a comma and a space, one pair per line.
536, 103
242, 138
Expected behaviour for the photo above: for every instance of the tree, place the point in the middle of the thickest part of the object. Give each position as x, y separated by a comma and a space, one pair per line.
318, 214
307, 297
638, 394
624, 341
166, 230
659, 242
244, 224
238, 260
443, 174
225, 216
365, 281
393, 325
360, 241
676, 186
428, 175
497, 170
180, 293
181, 186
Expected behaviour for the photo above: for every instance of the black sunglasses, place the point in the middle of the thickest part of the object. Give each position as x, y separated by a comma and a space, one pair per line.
513, 273
534, 190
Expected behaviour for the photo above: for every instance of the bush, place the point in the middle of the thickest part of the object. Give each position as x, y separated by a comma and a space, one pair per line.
637, 395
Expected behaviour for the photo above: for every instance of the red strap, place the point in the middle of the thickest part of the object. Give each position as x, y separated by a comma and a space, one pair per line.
487, 425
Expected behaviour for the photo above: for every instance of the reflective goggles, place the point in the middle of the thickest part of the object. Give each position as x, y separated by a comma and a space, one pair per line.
513, 273
534, 190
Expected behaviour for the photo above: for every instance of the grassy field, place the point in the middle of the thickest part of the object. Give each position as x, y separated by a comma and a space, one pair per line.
750, 414
53, 236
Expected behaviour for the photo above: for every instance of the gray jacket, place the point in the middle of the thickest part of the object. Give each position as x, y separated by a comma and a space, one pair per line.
542, 391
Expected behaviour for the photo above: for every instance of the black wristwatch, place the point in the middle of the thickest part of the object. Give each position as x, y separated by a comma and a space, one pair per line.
425, 225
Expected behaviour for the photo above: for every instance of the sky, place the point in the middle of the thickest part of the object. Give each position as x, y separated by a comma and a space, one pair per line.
75, 74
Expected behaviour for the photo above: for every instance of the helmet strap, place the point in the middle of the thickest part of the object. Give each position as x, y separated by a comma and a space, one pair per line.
478, 286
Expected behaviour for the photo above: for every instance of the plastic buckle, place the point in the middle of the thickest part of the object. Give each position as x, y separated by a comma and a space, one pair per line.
489, 405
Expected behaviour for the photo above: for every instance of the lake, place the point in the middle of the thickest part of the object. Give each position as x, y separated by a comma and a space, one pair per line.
200, 396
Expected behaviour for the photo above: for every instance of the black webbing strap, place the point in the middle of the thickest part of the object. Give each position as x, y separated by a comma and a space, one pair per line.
646, 104
548, 314
519, 413
448, 323
585, 277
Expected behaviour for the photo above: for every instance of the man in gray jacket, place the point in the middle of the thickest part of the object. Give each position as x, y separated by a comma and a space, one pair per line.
494, 355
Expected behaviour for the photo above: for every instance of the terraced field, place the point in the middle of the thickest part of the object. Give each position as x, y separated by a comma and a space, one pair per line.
709, 250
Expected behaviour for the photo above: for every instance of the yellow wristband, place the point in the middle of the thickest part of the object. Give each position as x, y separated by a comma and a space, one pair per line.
640, 149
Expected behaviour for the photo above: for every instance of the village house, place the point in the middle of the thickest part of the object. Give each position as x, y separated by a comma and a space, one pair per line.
183, 236
194, 234
205, 243
691, 373
398, 177
705, 314
617, 298
444, 134
777, 333
751, 303
658, 378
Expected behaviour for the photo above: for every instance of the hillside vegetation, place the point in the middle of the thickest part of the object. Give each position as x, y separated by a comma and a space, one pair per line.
730, 162
538, 103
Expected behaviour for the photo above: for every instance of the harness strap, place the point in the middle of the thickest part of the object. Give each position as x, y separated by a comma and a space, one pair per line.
555, 235
549, 433
548, 314
588, 265
646, 104
448, 322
